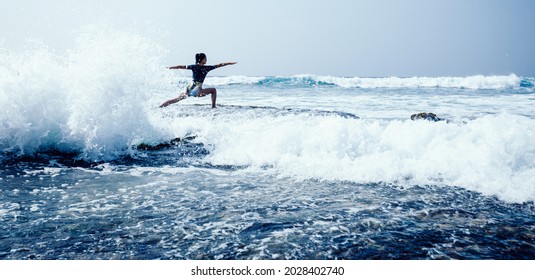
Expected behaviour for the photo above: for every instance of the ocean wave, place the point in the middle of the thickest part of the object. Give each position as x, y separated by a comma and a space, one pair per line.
90, 100
492, 155
469, 82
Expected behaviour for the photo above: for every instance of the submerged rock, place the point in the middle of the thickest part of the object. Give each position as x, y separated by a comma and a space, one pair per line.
164, 145
426, 116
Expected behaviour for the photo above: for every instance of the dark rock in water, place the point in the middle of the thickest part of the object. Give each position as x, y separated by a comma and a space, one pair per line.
425, 116
165, 145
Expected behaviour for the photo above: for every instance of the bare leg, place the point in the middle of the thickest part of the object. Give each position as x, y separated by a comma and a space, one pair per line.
206, 91
182, 96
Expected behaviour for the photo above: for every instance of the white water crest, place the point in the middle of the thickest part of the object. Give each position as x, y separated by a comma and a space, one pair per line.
469, 82
494, 155
91, 99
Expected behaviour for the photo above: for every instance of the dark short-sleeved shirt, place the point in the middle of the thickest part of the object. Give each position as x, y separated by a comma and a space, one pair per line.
200, 72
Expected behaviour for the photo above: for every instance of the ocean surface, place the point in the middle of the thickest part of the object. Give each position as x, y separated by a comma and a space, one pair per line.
287, 167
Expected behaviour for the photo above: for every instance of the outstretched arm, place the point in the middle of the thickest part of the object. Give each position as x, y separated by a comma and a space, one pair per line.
225, 64
177, 67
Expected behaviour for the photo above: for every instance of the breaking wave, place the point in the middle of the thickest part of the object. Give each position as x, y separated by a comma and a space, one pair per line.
470, 82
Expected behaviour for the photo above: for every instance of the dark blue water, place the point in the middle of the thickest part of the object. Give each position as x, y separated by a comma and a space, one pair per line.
173, 208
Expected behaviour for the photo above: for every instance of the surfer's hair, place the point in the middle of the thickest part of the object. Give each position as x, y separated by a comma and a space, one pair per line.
199, 57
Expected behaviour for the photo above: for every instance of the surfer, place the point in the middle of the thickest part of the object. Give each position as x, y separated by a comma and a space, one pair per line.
200, 70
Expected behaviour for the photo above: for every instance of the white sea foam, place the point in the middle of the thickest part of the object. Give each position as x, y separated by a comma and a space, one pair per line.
91, 99
494, 155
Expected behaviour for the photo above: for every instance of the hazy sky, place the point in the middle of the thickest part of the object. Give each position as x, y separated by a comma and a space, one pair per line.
287, 37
